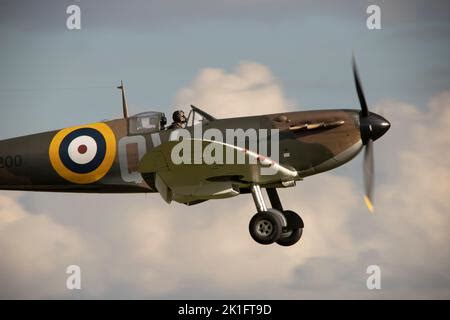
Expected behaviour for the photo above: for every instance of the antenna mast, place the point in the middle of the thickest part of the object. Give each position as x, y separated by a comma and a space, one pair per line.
124, 100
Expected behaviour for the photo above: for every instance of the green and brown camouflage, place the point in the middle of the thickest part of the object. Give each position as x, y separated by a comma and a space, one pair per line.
310, 142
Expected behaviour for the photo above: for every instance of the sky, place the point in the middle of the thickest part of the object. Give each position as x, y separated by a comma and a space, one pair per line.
232, 58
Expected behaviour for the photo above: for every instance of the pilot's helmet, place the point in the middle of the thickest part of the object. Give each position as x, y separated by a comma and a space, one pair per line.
178, 116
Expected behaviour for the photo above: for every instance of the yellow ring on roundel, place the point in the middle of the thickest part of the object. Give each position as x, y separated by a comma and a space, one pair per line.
90, 177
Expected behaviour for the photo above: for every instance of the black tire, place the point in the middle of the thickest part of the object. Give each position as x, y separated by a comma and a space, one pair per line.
294, 230
294, 221
265, 227
290, 238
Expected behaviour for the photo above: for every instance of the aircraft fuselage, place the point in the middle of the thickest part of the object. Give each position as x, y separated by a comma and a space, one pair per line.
63, 160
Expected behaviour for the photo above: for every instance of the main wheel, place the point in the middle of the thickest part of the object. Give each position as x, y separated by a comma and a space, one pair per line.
290, 238
294, 230
265, 227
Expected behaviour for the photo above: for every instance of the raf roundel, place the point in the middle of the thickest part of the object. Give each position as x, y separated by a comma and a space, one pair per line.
83, 154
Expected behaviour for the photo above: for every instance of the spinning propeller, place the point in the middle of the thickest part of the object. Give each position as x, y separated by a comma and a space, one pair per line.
372, 126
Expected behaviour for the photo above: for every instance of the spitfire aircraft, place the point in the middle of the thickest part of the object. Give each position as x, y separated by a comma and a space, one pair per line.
135, 154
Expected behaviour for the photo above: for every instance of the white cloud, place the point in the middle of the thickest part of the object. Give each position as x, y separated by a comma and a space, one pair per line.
35, 250
135, 246
250, 90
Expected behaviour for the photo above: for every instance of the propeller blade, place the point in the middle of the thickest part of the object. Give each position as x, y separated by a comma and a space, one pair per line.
368, 174
362, 99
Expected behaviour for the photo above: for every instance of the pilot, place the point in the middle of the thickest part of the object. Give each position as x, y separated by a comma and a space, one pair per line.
179, 120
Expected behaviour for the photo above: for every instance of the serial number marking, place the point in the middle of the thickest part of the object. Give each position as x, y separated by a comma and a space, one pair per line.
11, 161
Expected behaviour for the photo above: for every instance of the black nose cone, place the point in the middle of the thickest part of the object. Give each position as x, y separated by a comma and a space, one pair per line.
378, 126
373, 126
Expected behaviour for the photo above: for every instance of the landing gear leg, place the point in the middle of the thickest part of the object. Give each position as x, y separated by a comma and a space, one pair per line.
292, 233
267, 225
258, 198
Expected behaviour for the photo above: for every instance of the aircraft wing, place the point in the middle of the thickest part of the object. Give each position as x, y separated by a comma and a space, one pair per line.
192, 180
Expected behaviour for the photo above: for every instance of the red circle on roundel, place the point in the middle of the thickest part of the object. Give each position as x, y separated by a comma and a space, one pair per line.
82, 149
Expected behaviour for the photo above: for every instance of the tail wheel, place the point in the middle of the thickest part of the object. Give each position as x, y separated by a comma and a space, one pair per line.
294, 230
265, 227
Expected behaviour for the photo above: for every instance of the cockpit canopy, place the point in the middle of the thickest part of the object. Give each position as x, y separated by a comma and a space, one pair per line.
154, 121
198, 116
147, 122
